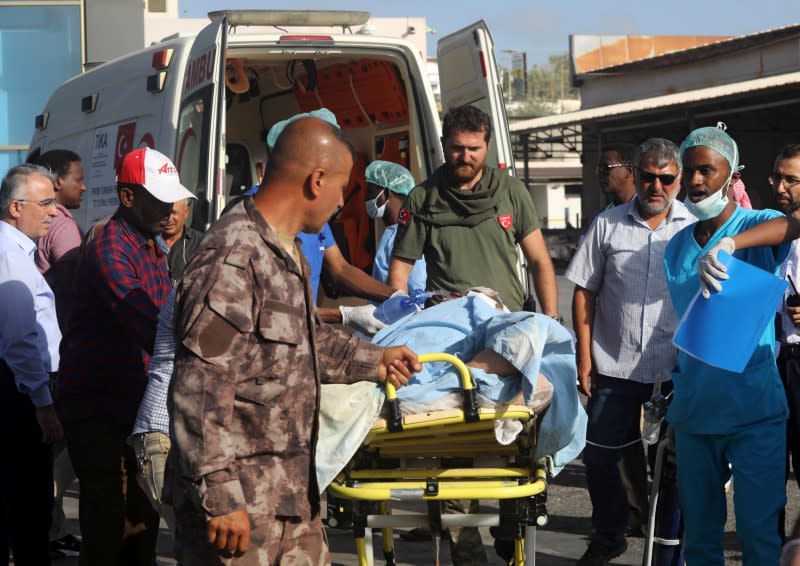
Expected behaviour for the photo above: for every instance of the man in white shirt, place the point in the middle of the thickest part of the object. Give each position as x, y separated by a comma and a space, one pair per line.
29, 341
785, 180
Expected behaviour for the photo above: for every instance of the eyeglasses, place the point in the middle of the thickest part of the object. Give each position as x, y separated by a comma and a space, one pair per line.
776, 179
46, 203
603, 169
648, 177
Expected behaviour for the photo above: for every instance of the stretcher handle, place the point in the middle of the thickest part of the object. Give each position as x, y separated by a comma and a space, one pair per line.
471, 415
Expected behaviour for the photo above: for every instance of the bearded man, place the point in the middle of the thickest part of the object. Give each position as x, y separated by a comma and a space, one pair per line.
467, 220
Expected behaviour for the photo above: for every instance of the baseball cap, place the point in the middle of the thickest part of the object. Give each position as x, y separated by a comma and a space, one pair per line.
155, 172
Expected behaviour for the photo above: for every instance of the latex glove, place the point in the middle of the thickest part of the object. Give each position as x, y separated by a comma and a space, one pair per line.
711, 270
361, 318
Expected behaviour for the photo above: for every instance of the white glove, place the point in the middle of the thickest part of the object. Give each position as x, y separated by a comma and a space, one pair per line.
711, 270
361, 318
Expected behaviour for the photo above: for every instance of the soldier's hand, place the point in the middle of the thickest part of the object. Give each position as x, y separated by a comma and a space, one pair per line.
397, 365
230, 532
50, 424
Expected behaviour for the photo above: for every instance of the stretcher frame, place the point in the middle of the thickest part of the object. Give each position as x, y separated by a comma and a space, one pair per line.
425, 445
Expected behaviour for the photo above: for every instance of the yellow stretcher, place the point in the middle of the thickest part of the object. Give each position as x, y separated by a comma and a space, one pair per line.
438, 456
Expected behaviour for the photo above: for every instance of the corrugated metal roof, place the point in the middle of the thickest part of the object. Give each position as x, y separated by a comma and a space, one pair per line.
656, 103
705, 51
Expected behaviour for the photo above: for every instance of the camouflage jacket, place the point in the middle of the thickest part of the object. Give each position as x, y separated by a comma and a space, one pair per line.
244, 399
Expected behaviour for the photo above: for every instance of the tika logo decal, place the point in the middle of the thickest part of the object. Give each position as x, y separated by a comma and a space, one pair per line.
504, 220
404, 216
167, 169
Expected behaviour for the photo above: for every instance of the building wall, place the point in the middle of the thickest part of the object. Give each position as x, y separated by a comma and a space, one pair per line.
40, 47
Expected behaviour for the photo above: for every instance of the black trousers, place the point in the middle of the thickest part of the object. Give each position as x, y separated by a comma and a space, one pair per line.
119, 526
26, 479
789, 369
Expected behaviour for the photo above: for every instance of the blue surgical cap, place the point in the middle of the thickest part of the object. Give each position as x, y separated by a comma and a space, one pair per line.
390, 176
715, 138
275, 131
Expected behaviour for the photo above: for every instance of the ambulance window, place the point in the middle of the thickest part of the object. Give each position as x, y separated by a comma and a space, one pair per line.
192, 143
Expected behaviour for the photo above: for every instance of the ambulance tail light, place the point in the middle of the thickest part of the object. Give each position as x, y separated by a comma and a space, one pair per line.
162, 58
483, 63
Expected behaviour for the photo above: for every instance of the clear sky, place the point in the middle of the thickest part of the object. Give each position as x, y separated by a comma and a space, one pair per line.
543, 28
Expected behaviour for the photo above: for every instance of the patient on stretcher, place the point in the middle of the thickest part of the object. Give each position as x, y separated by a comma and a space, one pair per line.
520, 358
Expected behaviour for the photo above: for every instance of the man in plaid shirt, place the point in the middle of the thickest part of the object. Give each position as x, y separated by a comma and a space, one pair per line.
122, 282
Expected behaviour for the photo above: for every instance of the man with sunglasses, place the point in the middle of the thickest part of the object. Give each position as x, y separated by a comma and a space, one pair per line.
615, 174
624, 327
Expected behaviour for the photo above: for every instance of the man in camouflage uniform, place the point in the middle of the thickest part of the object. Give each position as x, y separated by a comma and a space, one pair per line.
251, 353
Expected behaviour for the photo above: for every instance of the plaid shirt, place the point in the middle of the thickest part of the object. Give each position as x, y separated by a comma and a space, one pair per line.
121, 284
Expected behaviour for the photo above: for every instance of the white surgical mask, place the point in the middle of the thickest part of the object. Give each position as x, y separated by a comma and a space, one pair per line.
711, 206
373, 210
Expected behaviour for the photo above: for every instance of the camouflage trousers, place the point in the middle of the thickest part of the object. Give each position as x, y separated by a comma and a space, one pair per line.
274, 541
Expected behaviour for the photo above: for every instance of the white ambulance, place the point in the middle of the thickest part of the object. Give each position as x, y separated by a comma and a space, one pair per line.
172, 96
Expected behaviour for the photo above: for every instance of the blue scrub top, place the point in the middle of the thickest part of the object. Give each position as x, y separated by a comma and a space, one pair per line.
706, 399
383, 256
314, 246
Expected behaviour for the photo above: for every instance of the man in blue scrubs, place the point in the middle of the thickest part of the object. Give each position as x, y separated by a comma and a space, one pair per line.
388, 184
724, 421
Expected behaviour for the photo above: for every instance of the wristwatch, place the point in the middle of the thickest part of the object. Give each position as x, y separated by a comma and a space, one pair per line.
557, 317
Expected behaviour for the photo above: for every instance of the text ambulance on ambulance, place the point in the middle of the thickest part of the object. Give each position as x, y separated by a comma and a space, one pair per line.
172, 96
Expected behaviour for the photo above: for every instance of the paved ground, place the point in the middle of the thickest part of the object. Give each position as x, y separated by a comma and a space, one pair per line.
560, 543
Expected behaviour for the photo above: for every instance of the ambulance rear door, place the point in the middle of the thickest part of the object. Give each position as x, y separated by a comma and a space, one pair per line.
468, 75
200, 143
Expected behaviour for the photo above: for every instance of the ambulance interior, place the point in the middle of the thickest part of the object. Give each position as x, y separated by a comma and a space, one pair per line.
369, 94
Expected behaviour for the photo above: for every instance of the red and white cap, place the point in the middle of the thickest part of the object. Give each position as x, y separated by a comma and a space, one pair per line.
155, 172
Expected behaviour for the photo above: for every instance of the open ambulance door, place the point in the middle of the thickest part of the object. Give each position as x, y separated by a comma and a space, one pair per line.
468, 75
200, 143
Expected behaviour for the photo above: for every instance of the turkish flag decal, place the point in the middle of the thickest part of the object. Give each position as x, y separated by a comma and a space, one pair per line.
404, 216
504, 220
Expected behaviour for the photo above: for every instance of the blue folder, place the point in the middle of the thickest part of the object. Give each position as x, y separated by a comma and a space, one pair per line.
724, 330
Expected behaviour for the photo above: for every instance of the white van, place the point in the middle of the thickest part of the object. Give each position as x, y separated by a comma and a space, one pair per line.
172, 96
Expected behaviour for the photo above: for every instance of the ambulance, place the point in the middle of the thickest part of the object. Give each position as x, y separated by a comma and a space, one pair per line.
182, 96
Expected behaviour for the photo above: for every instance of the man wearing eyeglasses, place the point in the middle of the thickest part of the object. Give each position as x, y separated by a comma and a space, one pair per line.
785, 181
29, 342
615, 174
624, 325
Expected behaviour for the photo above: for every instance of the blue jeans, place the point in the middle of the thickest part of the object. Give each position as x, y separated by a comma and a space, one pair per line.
614, 411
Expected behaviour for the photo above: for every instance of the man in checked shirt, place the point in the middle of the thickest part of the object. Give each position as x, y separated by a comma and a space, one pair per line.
624, 323
121, 283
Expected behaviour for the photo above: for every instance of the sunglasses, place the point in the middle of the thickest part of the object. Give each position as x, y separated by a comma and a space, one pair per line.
603, 169
665, 178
